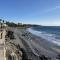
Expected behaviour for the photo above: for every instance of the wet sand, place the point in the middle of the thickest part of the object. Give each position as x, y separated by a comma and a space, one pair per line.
36, 46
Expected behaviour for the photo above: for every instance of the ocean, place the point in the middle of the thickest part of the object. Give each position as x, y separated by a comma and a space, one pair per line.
49, 33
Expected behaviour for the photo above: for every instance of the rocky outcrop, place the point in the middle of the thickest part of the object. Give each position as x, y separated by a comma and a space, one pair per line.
12, 52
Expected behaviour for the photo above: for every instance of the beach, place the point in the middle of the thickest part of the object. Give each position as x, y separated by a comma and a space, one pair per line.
35, 46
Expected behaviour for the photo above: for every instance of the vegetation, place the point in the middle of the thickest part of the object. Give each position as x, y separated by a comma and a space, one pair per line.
18, 25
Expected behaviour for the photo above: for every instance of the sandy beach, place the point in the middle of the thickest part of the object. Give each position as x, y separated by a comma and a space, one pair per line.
35, 46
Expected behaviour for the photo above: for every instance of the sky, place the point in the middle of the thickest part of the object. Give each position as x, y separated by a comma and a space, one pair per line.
41, 12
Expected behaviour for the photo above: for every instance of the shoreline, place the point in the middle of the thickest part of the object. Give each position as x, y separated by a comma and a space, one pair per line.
44, 42
41, 40
37, 34
36, 45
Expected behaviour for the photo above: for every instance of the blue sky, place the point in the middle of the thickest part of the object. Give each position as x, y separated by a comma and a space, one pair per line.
42, 12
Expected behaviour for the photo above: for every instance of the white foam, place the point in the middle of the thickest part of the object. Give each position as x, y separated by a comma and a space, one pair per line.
46, 36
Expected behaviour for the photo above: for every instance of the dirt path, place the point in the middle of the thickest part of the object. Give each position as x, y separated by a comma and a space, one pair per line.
2, 45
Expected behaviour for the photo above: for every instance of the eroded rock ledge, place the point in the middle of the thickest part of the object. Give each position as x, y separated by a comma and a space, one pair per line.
12, 52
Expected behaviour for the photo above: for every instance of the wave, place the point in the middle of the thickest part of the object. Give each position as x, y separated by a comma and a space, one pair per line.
47, 36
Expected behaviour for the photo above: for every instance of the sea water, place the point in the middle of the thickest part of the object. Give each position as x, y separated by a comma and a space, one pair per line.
49, 33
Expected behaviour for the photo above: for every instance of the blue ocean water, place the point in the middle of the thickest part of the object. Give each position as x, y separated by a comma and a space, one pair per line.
50, 33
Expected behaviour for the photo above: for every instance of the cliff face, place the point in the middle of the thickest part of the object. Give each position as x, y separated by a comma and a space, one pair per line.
12, 52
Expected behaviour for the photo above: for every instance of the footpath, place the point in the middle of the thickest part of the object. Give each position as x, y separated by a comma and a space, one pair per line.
2, 39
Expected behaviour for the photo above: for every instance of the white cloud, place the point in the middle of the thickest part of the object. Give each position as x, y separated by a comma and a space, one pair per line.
52, 9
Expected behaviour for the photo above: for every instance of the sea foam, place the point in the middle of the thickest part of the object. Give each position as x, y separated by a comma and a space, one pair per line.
47, 36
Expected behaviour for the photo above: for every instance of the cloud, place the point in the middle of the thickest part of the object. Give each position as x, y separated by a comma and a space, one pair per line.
52, 9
